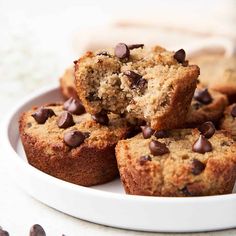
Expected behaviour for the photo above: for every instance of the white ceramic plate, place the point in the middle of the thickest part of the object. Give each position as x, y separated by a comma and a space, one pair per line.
108, 204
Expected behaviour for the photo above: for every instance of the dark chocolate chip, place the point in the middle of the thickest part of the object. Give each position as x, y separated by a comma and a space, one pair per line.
207, 129
75, 61
74, 106
180, 56
144, 159
37, 230
202, 145
186, 192
233, 111
133, 130
103, 53
157, 148
197, 167
161, 134
74, 138
203, 96
133, 46
3, 232
65, 120
122, 51
136, 80
101, 118
42, 114
147, 131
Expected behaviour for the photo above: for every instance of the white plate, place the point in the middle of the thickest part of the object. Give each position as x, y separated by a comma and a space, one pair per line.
108, 204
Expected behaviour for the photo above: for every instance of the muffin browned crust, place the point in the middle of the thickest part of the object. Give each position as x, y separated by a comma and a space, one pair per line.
91, 163
228, 122
149, 84
200, 113
181, 171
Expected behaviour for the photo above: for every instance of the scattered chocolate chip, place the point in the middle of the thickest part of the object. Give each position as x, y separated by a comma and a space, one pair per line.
3, 232
203, 96
133, 46
101, 118
133, 130
103, 53
74, 106
180, 56
185, 191
144, 159
233, 111
65, 120
207, 129
197, 167
147, 131
161, 134
37, 230
42, 114
158, 148
202, 145
136, 80
122, 51
74, 138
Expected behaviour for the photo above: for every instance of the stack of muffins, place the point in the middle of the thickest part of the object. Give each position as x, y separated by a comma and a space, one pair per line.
140, 113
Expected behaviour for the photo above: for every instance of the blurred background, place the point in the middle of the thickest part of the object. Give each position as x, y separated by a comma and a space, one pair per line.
40, 39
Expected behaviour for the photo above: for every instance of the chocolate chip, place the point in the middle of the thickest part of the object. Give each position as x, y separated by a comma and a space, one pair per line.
202, 145
203, 96
207, 129
74, 106
136, 80
42, 114
161, 134
233, 111
144, 159
197, 167
185, 191
74, 138
103, 53
37, 230
86, 134
147, 131
65, 120
75, 61
133, 130
158, 148
133, 46
122, 51
180, 56
101, 118
3, 232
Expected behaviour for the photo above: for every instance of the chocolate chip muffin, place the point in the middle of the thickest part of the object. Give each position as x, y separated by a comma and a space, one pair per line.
178, 163
228, 122
148, 84
65, 142
218, 73
67, 84
207, 105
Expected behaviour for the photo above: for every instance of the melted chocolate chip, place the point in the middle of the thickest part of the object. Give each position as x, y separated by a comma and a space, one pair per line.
74, 138
157, 148
133, 46
197, 167
161, 134
233, 111
42, 114
203, 96
180, 56
144, 159
37, 230
136, 80
147, 131
65, 120
74, 106
122, 51
101, 118
202, 145
207, 129
103, 53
